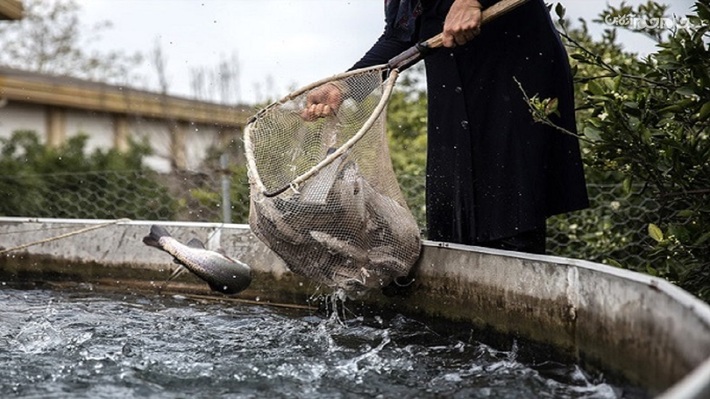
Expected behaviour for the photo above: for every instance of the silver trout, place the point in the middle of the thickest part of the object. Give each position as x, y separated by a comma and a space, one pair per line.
222, 273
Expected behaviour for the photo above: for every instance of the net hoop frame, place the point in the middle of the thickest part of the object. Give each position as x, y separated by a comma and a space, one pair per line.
388, 86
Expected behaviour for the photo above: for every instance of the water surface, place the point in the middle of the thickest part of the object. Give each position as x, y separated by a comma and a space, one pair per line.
100, 345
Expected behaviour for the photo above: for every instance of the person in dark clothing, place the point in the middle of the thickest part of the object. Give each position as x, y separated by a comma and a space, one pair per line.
493, 174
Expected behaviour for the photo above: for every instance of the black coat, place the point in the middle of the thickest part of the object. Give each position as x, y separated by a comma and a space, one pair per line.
491, 171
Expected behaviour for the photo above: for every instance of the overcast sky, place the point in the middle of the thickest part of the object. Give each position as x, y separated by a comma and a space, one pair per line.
280, 44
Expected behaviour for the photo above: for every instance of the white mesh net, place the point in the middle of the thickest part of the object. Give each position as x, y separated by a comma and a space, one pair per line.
344, 224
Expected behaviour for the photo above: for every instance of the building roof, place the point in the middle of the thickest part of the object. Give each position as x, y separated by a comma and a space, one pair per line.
63, 91
11, 9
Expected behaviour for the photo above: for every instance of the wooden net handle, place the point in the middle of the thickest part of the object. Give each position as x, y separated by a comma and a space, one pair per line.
415, 53
489, 14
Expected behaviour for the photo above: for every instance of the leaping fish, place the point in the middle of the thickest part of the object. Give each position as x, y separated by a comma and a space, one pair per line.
222, 273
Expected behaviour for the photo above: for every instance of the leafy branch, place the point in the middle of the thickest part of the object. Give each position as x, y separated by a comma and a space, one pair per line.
542, 109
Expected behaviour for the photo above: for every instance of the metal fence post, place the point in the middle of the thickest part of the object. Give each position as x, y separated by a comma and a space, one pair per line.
226, 200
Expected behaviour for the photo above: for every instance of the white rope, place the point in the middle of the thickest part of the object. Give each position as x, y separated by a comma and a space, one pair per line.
66, 235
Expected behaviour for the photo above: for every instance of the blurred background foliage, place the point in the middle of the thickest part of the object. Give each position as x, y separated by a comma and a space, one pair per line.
64, 182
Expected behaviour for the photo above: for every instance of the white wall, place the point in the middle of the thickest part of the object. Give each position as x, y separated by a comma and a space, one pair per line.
199, 139
99, 127
17, 116
158, 136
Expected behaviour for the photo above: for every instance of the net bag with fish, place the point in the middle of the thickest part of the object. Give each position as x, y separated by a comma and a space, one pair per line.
323, 194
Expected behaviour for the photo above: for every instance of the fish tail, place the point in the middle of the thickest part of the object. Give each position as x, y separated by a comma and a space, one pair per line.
156, 233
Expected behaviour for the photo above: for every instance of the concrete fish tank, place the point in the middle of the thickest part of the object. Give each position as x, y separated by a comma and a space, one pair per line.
89, 314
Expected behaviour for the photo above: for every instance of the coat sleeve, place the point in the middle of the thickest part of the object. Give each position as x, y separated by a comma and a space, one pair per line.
401, 23
384, 49
487, 3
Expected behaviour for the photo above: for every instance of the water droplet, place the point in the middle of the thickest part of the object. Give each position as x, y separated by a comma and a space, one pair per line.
464, 124
458, 89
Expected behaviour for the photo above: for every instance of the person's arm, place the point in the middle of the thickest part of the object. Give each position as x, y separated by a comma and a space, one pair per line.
325, 100
384, 49
400, 33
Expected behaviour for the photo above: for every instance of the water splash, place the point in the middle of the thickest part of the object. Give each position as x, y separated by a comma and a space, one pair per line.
86, 345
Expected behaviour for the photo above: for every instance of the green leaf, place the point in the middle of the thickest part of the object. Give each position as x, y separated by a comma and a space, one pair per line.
703, 10
617, 82
679, 231
626, 185
594, 121
702, 239
601, 98
685, 91
631, 104
704, 111
686, 213
551, 107
655, 232
595, 88
671, 108
560, 10
614, 263
592, 133
578, 57
650, 270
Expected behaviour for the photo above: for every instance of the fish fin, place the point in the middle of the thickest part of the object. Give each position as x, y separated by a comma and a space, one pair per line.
218, 288
195, 243
180, 270
224, 289
156, 233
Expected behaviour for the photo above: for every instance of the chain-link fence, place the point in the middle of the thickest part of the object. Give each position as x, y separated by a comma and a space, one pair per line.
138, 195
614, 227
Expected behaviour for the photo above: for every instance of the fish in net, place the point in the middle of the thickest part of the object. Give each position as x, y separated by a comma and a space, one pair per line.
324, 195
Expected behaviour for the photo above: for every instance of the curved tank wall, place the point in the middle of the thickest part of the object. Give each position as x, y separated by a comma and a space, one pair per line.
647, 330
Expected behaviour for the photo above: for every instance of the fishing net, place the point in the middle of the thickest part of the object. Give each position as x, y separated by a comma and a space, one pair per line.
324, 196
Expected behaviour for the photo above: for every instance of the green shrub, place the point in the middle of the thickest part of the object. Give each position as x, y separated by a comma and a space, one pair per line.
65, 182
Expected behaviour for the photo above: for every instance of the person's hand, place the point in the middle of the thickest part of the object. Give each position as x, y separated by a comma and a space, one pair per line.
463, 23
322, 101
